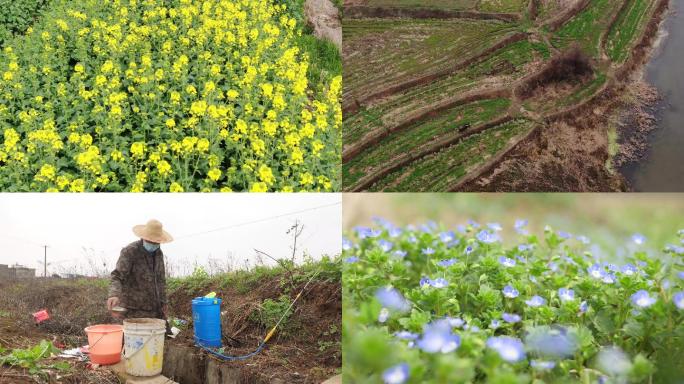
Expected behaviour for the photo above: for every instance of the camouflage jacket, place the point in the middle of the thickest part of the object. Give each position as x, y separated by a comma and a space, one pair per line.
135, 281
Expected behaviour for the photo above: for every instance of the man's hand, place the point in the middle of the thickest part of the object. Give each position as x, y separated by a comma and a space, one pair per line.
112, 302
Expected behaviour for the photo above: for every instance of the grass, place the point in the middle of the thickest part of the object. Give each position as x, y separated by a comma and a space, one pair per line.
443, 4
587, 27
200, 280
625, 29
415, 136
510, 6
437, 172
390, 51
510, 59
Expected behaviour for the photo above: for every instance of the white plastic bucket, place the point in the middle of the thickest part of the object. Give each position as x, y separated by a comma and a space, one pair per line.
144, 346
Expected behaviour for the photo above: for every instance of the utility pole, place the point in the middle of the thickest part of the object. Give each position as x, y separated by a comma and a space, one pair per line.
45, 261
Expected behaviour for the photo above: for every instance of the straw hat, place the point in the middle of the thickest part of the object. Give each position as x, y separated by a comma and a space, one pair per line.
152, 231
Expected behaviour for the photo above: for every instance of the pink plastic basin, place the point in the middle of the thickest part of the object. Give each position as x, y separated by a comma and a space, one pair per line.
105, 342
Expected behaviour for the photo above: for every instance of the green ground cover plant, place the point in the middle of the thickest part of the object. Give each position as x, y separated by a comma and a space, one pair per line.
629, 22
429, 304
17, 15
439, 171
413, 137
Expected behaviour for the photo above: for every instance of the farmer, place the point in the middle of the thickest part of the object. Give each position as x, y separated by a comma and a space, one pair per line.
138, 284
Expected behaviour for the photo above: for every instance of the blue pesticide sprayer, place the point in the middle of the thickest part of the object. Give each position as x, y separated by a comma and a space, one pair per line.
206, 316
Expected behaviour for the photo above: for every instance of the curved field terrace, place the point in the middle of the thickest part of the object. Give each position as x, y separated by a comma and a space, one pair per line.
495, 95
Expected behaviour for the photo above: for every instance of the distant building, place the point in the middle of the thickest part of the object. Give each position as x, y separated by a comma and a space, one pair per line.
16, 272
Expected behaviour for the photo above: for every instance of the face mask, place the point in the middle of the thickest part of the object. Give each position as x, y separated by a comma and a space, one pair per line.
150, 247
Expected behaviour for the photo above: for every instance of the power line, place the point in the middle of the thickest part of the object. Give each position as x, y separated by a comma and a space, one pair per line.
258, 220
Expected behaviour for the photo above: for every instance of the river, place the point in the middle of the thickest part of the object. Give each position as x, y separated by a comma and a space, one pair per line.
662, 167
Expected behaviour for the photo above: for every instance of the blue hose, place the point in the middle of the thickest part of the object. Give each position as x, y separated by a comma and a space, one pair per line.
233, 358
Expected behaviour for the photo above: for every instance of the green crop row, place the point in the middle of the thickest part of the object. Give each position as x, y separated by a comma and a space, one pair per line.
439, 4
625, 29
420, 133
439, 171
509, 6
416, 47
587, 27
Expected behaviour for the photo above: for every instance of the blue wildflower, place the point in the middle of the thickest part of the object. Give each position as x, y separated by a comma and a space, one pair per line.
469, 250
351, 259
681, 275
566, 294
447, 262
385, 245
629, 270
412, 239
473, 223
437, 337
495, 227
638, 238
406, 335
596, 271
564, 235
613, 361
506, 262
678, 300
553, 267
487, 237
583, 307
439, 282
428, 251
642, 299
510, 292
511, 317
447, 237
520, 223
535, 301
456, 322
366, 233
495, 324
542, 365
397, 374
509, 348
583, 239
395, 232
347, 244
453, 243
520, 227
665, 284
399, 253
392, 299
554, 342
424, 282
461, 228
521, 259
608, 278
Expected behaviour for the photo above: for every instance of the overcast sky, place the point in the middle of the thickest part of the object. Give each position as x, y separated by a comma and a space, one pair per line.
102, 224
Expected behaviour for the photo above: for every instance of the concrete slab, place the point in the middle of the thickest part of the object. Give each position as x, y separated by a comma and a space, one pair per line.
120, 370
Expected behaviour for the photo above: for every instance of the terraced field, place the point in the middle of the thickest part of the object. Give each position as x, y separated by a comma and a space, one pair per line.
437, 92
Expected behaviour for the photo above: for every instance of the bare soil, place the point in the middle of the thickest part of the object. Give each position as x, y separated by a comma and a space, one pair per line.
307, 350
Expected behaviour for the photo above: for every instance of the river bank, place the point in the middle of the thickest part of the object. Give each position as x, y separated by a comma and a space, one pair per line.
654, 166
